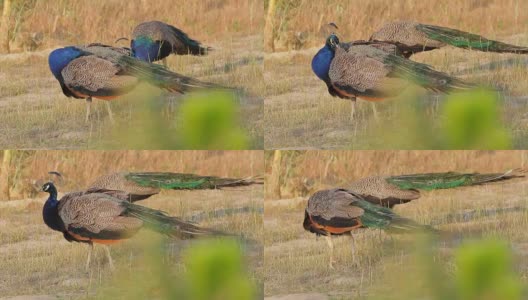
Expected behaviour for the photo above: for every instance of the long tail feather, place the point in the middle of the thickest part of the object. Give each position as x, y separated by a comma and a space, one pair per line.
433, 181
171, 226
468, 40
182, 181
376, 216
163, 78
195, 47
425, 76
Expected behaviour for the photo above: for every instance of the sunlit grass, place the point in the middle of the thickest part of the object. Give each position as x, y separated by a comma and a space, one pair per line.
31, 252
299, 112
34, 113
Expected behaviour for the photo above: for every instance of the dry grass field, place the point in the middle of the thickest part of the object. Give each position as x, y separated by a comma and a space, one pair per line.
39, 262
35, 114
299, 112
388, 267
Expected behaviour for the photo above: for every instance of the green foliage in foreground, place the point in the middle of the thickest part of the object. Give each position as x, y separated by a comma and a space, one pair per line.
209, 269
205, 120
472, 121
467, 120
482, 270
208, 121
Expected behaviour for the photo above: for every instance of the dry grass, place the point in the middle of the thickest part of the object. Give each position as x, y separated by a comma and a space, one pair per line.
299, 112
37, 261
80, 168
296, 261
358, 19
35, 114
311, 170
79, 22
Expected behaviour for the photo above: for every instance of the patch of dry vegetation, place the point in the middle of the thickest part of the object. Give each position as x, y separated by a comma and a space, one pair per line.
35, 114
357, 19
80, 168
297, 261
312, 170
37, 261
300, 113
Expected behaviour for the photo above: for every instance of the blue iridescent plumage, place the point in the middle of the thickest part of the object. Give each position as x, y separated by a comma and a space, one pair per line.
155, 40
50, 212
106, 72
60, 58
321, 62
145, 49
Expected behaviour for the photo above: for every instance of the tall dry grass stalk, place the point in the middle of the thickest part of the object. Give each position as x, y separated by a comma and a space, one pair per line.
4, 26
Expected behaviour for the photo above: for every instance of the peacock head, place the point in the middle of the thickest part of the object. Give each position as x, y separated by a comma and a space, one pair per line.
60, 58
144, 48
49, 187
332, 41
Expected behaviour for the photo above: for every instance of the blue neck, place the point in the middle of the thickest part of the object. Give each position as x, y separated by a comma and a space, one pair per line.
145, 49
50, 212
321, 63
60, 58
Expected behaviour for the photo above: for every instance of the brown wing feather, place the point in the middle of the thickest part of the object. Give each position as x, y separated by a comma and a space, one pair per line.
405, 33
334, 203
91, 214
356, 72
118, 182
378, 191
96, 76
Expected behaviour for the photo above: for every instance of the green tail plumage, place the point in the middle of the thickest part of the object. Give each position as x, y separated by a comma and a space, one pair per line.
163, 78
165, 224
425, 76
448, 180
181, 181
467, 40
376, 216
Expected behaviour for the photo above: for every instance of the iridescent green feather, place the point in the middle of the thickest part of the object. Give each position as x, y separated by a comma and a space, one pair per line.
424, 75
448, 180
467, 40
181, 181
376, 216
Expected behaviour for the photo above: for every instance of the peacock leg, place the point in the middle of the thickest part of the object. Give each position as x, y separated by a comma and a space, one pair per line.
375, 111
352, 108
110, 262
331, 245
354, 259
88, 108
110, 114
87, 266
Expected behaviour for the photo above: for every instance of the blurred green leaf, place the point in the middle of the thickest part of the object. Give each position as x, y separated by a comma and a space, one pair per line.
481, 270
207, 269
217, 274
472, 121
467, 120
208, 121
485, 271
